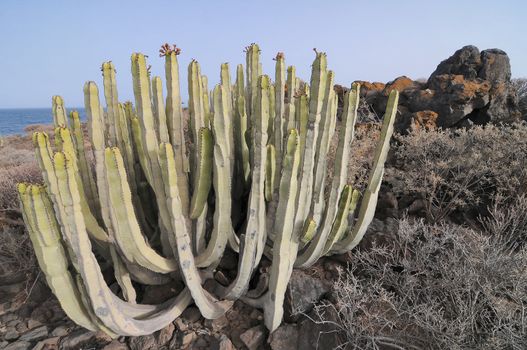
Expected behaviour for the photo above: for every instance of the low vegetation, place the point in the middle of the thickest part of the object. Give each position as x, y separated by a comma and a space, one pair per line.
435, 286
521, 88
454, 275
455, 174
18, 267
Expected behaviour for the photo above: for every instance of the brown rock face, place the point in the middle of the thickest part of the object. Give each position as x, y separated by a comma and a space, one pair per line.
425, 120
470, 87
400, 84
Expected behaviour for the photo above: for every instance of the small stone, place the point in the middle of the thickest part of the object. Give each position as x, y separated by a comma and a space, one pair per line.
21, 327
42, 314
35, 334
225, 343
47, 344
221, 278
164, 335
187, 339
145, 342
253, 338
284, 337
303, 291
11, 334
181, 325
31, 323
220, 323
13, 323
191, 314
256, 315
201, 343
115, 345
60, 331
19, 345
9, 317
84, 339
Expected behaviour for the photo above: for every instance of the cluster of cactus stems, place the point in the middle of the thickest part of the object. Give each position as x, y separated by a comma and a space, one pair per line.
167, 196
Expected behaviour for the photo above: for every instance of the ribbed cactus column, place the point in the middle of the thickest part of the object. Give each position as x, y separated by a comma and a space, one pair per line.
279, 120
254, 71
201, 158
290, 105
208, 305
253, 240
112, 102
316, 100
242, 166
150, 143
176, 124
58, 111
85, 171
159, 110
223, 160
45, 235
285, 244
369, 200
313, 251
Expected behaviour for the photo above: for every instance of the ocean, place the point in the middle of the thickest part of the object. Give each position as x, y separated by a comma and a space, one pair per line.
14, 120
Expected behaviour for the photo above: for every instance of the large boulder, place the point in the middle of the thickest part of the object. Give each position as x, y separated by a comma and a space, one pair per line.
465, 61
470, 87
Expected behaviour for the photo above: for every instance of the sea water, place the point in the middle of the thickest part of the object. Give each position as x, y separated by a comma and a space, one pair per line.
13, 121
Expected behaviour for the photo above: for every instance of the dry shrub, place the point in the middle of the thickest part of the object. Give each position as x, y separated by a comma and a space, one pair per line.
17, 164
362, 152
16, 254
507, 221
9, 177
460, 170
18, 268
436, 286
520, 84
12, 157
47, 128
361, 155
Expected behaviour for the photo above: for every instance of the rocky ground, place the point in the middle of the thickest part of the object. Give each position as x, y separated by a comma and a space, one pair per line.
41, 324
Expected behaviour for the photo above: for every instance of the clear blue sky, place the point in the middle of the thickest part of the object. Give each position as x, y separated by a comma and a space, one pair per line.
53, 47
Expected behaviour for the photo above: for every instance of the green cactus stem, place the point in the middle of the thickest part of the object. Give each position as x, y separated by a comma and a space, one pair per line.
58, 111
369, 199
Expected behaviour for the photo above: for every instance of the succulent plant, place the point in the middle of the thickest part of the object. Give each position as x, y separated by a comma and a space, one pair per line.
167, 195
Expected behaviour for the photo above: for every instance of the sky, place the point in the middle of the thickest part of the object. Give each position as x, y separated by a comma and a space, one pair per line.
54, 47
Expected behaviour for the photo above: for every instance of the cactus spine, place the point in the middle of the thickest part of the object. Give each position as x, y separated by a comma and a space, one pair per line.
168, 198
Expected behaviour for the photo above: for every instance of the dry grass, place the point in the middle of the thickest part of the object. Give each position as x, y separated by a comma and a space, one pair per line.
434, 287
520, 84
17, 262
17, 164
361, 155
460, 171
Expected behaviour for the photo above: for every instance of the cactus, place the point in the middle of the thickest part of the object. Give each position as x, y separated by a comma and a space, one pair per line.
166, 198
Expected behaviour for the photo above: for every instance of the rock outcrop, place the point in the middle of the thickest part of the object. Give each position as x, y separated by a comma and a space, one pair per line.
470, 87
